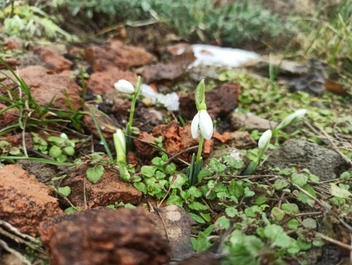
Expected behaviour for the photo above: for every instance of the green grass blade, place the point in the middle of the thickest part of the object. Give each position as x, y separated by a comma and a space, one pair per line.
35, 159
102, 138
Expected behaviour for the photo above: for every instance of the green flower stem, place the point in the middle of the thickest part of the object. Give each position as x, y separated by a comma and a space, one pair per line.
200, 148
132, 110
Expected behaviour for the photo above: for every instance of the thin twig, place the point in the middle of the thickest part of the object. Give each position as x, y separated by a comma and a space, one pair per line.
328, 209
212, 186
333, 145
182, 152
14, 252
174, 177
14, 234
331, 240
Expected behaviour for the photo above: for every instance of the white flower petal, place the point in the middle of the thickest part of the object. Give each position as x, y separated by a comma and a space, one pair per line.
124, 86
205, 124
63, 136
264, 139
300, 113
195, 126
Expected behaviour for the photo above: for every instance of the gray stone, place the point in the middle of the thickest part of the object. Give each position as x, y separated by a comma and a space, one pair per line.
320, 161
250, 122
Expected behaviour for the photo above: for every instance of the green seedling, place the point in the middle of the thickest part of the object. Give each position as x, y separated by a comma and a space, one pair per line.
264, 140
58, 147
95, 173
61, 147
6, 149
157, 177
126, 87
96, 170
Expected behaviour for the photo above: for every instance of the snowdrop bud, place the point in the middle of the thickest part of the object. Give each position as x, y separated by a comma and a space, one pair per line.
265, 139
298, 114
120, 140
202, 122
63, 136
124, 86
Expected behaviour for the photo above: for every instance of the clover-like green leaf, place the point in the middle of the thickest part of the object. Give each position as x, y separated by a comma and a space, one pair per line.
339, 192
290, 207
65, 191
55, 151
280, 184
277, 213
148, 171
69, 150
299, 179
292, 224
277, 236
309, 223
95, 173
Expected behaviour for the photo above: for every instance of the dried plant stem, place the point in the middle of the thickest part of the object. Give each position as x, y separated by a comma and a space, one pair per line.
331, 240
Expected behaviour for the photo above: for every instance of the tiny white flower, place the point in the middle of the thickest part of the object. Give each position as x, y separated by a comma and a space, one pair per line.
63, 136
124, 86
202, 122
264, 139
298, 114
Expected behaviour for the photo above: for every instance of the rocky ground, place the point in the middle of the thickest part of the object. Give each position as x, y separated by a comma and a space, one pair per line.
30, 205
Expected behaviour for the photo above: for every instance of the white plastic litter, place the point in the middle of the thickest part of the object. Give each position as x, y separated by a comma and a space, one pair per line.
213, 55
170, 101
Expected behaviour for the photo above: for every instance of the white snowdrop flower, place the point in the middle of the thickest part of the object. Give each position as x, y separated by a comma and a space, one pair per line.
264, 139
124, 86
202, 123
298, 114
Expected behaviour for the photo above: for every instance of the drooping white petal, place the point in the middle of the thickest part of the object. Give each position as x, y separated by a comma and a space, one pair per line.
124, 86
264, 139
195, 126
205, 124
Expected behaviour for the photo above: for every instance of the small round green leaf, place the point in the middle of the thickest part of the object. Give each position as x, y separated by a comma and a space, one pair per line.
61, 158
299, 179
280, 184
309, 223
339, 192
290, 207
292, 224
65, 191
55, 151
69, 150
278, 213
94, 174
141, 187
